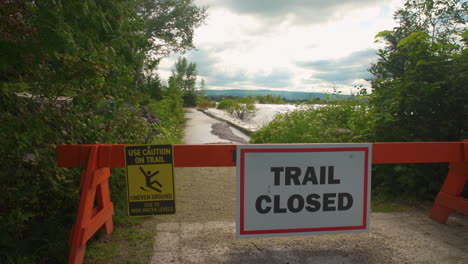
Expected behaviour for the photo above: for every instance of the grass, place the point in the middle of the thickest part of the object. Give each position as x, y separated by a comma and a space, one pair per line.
388, 206
131, 242
384, 205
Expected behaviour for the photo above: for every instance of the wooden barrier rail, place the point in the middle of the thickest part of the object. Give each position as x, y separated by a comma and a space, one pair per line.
98, 159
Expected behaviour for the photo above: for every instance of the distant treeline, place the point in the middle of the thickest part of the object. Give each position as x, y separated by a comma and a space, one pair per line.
291, 95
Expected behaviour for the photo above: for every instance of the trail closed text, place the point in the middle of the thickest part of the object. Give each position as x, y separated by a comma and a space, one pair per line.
311, 202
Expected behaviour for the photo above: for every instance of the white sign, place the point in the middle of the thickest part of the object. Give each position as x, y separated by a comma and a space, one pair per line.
285, 190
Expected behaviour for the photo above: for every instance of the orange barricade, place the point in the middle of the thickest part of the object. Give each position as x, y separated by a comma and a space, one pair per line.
94, 188
98, 159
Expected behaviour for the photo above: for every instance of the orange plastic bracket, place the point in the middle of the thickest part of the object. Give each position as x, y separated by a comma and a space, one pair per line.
98, 159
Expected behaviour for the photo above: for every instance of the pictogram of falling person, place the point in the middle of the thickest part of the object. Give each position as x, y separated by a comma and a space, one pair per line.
149, 182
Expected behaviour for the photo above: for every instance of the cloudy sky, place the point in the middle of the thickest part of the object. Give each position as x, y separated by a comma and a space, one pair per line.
294, 45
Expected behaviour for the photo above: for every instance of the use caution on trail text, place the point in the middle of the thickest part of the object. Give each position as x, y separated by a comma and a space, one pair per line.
150, 180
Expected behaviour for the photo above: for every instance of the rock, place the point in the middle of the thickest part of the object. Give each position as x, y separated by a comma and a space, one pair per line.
60, 101
30, 158
149, 118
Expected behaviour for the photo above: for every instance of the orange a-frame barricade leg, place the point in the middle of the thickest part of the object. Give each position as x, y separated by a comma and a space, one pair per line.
449, 199
94, 187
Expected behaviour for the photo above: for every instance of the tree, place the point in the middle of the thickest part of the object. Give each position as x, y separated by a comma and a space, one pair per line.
169, 27
16, 30
170, 24
93, 52
48, 48
245, 108
202, 91
419, 84
184, 77
155, 87
419, 81
242, 108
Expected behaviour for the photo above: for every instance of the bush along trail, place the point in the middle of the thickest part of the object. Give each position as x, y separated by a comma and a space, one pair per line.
75, 73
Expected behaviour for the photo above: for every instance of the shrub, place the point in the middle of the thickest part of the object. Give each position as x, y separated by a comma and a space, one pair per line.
241, 108
346, 121
171, 113
205, 103
39, 201
227, 104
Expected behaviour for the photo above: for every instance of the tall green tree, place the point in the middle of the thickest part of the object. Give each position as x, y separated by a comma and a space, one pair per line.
419, 87
170, 24
184, 77
169, 27
419, 81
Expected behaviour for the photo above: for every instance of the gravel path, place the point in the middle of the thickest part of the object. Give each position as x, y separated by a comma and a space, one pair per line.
203, 231
223, 131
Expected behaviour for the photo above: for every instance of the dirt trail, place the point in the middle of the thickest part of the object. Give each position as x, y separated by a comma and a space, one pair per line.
203, 231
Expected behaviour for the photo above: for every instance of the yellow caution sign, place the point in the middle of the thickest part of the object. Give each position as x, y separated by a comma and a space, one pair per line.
150, 180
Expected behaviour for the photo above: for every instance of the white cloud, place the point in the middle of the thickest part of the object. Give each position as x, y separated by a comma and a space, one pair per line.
260, 44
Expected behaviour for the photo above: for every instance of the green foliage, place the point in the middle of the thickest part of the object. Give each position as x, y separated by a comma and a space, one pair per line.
241, 108
419, 80
171, 113
131, 242
227, 104
39, 200
155, 88
184, 78
205, 103
346, 121
168, 27
94, 52
69, 51
172, 23
399, 204
419, 89
185, 74
244, 108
